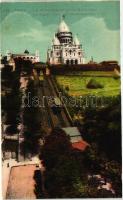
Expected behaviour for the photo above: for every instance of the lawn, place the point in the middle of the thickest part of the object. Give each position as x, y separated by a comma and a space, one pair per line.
77, 85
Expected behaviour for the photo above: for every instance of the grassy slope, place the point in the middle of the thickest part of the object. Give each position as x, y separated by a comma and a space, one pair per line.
77, 85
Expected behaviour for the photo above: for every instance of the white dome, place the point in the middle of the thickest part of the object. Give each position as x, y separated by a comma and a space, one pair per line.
56, 41
76, 41
63, 27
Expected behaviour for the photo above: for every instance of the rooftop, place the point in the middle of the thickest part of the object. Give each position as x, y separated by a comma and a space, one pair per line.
80, 145
72, 131
76, 138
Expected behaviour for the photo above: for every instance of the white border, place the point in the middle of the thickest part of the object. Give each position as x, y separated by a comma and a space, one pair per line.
121, 47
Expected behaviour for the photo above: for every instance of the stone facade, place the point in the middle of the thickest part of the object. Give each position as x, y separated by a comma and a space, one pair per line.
65, 48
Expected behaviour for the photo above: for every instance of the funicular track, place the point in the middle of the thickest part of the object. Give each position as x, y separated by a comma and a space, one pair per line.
45, 112
61, 118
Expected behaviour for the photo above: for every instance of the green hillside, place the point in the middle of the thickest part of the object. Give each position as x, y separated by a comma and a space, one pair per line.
77, 85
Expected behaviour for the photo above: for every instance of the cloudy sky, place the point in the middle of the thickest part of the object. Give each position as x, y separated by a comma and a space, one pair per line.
32, 25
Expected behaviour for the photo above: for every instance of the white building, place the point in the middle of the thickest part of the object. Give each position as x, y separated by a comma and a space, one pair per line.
25, 56
65, 49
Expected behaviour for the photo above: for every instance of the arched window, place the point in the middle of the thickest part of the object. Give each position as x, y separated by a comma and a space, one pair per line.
76, 62
67, 62
70, 51
72, 62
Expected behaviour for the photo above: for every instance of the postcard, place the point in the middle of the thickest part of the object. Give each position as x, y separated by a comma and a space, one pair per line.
60, 99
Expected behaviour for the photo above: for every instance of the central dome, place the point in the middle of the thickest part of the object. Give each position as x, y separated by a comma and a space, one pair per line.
63, 27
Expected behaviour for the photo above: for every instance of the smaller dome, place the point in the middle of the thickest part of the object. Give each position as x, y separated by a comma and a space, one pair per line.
26, 51
56, 41
76, 41
63, 27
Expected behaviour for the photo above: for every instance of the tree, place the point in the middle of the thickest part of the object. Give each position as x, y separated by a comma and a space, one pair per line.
103, 127
32, 121
113, 172
56, 145
63, 176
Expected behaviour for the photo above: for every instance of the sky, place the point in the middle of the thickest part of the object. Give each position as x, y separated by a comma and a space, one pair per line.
32, 26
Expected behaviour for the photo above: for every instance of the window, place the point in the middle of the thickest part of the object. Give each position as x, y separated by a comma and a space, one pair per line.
67, 62
72, 62
76, 61
70, 51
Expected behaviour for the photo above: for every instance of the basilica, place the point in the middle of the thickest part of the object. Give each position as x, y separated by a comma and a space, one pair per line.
65, 49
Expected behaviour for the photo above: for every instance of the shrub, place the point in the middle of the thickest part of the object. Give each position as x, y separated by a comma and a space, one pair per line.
93, 84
